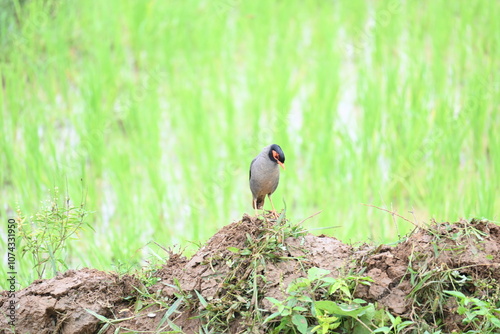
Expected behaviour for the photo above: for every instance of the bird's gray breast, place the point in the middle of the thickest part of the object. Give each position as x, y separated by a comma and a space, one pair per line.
264, 176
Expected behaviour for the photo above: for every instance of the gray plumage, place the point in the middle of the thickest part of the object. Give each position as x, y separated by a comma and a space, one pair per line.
265, 174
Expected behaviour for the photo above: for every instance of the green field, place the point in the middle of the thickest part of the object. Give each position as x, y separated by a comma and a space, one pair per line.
151, 111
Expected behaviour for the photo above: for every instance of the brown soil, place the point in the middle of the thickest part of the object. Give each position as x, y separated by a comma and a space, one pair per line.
58, 305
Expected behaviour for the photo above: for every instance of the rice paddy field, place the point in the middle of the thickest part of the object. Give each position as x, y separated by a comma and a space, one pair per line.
150, 112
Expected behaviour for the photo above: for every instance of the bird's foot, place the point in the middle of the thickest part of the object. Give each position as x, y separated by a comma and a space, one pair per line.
273, 214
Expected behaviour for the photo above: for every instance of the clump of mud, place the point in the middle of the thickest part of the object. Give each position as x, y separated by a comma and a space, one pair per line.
58, 305
249, 260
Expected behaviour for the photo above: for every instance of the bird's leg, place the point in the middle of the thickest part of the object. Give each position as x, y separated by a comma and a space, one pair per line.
255, 207
272, 205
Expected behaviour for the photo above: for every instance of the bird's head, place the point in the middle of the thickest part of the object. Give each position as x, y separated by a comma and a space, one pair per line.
276, 154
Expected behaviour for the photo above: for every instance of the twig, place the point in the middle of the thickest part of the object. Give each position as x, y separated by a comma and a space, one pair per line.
392, 213
314, 214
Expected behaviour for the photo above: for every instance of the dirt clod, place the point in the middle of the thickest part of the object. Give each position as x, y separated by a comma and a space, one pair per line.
58, 305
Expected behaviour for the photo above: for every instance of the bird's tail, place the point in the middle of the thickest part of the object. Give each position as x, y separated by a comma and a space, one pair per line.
259, 202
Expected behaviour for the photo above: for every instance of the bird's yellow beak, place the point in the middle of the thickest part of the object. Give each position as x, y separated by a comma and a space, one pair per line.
276, 157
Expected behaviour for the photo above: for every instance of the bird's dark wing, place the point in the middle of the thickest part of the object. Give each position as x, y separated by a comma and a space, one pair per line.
250, 174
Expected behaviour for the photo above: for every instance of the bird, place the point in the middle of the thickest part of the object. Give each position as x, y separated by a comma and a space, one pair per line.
265, 174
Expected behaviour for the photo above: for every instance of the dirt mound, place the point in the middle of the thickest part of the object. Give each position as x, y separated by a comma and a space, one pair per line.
58, 305
431, 260
229, 278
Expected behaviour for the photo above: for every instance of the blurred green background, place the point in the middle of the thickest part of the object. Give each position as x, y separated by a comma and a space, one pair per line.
151, 111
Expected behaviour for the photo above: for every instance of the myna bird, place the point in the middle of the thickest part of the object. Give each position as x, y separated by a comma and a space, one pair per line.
265, 174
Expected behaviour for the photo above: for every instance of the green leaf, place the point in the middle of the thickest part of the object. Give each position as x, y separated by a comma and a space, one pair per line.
202, 300
495, 321
299, 309
305, 299
174, 307
174, 326
272, 316
98, 316
358, 301
246, 251
346, 291
334, 287
315, 273
170, 311
319, 327
456, 294
405, 324
329, 280
234, 250
104, 328
300, 321
350, 310
274, 300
